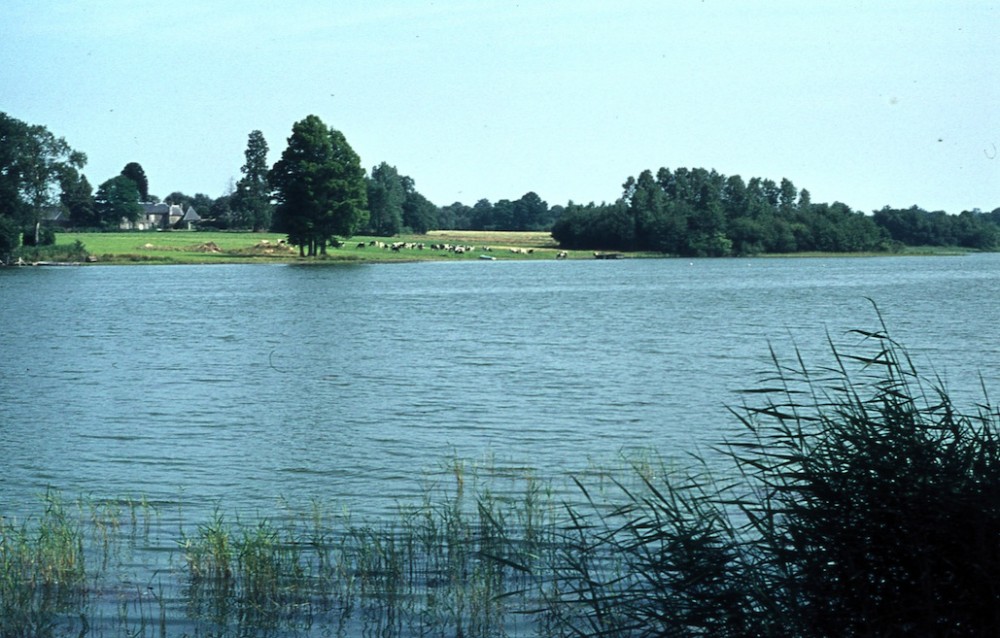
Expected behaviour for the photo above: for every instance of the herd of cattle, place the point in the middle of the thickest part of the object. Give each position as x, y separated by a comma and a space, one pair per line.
458, 249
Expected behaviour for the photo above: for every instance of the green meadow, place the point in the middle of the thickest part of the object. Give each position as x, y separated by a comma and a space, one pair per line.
199, 247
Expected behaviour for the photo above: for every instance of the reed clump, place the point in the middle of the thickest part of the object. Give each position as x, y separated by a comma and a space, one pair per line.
458, 563
42, 569
860, 502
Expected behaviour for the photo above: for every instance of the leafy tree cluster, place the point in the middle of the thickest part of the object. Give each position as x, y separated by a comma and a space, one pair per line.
395, 206
917, 227
530, 212
698, 212
35, 166
319, 186
117, 200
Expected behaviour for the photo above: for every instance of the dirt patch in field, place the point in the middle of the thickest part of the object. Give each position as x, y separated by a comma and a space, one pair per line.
266, 247
501, 238
207, 247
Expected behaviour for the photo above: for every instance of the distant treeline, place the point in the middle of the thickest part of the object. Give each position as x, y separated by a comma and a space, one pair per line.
697, 212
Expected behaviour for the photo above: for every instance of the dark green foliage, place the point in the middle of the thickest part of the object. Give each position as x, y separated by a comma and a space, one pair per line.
695, 212
135, 172
319, 186
33, 162
529, 213
44, 236
862, 503
117, 202
78, 199
251, 203
385, 201
10, 238
395, 206
455, 216
915, 226
879, 499
598, 227
419, 213
75, 252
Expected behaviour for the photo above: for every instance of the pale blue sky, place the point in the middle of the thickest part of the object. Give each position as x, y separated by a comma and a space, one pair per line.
870, 103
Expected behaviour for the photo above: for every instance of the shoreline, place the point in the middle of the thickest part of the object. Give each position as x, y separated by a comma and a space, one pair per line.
223, 247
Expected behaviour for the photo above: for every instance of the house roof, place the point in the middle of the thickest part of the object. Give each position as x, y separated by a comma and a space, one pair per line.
190, 215
53, 214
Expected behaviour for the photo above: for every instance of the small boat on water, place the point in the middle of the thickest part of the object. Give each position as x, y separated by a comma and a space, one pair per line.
608, 256
488, 257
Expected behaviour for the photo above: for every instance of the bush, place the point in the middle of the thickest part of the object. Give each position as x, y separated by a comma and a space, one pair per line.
9, 238
46, 237
863, 503
54, 252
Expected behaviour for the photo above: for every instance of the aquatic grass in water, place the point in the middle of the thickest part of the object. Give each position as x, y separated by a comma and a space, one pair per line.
458, 562
42, 570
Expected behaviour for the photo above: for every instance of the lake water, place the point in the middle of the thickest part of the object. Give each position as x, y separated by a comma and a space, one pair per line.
244, 384
243, 387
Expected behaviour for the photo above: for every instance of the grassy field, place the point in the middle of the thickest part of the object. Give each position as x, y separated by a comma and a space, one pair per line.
183, 247
216, 247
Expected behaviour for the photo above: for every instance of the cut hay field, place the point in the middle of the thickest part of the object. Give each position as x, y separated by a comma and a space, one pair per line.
197, 247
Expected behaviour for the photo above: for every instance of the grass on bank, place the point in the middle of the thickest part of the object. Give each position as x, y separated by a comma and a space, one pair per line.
198, 247
208, 247
858, 501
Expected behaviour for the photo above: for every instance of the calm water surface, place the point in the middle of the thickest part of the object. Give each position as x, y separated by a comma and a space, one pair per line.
247, 384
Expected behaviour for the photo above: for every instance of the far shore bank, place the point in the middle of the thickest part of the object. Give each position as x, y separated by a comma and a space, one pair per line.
219, 247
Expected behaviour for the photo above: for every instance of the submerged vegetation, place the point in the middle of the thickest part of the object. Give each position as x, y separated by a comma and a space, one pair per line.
856, 500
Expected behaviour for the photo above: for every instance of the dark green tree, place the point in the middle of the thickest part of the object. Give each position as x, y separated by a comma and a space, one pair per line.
385, 201
456, 216
77, 198
503, 216
10, 232
482, 215
219, 212
319, 186
419, 213
117, 202
179, 198
251, 203
787, 194
531, 212
135, 172
32, 163
647, 203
